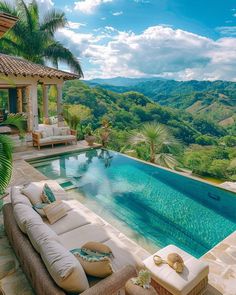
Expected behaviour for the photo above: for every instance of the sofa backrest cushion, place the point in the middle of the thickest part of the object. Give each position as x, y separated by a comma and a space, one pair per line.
18, 198
34, 192
61, 131
64, 268
38, 233
23, 213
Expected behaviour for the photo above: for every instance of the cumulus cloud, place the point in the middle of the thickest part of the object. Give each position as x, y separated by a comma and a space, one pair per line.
158, 51
89, 6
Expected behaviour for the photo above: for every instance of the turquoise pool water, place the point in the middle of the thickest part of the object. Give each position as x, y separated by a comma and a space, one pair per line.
152, 205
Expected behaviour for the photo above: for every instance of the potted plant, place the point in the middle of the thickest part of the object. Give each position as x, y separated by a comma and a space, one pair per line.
89, 137
22, 139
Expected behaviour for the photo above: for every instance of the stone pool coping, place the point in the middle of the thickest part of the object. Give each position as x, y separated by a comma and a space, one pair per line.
221, 258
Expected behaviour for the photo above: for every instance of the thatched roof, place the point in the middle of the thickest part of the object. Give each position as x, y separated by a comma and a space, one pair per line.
7, 21
10, 65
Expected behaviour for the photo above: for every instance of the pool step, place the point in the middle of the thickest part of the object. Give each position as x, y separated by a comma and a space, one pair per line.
69, 183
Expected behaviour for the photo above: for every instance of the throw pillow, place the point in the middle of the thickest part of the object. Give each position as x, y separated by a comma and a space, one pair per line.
55, 211
94, 263
99, 248
47, 195
33, 192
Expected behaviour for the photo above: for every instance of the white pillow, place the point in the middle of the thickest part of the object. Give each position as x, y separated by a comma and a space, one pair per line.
38, 233
49, 131
33, 191
23, 213
18, 198
64, 268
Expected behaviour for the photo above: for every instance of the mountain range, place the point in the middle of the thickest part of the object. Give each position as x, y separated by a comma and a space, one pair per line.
214, 100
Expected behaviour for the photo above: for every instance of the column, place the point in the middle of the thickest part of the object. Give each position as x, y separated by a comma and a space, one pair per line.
45, 104
19, 100
59, 105
32, 96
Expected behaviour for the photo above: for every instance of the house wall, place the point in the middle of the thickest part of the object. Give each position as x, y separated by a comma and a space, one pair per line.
31, 83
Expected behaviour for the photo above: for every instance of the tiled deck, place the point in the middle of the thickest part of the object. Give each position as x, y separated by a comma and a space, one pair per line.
222, 259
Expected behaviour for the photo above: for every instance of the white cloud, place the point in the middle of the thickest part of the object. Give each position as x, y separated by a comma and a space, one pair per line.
117, 13
75, 25
227, 30
89, 6
158, 51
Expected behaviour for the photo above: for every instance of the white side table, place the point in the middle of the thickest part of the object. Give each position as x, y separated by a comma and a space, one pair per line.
192, 281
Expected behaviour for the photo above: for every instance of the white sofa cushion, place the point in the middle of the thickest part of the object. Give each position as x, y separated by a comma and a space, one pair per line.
18, 198
72, 220
81, 235
23, 213
33, 191
64, 268
38, 233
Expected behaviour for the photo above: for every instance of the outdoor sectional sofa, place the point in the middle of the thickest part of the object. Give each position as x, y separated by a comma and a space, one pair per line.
71, 231
51, 135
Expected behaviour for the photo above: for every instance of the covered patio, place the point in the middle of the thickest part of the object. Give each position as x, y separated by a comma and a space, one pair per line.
20, 80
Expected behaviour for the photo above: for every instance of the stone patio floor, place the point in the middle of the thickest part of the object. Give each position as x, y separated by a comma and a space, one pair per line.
221, 259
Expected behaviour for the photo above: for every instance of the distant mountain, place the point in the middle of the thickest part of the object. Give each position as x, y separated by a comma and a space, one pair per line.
215, 100
119, 81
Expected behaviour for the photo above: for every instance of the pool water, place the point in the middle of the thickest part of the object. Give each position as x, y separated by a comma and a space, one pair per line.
152, 205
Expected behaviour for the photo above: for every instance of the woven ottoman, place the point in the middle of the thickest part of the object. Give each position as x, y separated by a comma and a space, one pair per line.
192, 281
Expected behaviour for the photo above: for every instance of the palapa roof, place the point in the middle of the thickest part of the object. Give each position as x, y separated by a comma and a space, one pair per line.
7, 21
11, 65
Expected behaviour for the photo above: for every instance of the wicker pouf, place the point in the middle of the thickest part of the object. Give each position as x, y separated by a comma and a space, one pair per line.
131, 289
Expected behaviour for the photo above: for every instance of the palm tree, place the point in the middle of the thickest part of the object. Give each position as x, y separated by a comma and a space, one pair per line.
160, 143
6, 148
33, 35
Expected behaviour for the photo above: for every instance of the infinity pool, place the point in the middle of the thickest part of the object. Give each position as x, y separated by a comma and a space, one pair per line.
153, 206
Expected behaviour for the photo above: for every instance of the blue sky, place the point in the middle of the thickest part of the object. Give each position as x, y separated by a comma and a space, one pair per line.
179, 39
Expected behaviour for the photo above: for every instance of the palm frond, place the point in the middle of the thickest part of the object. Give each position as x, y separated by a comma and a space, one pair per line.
166, 160
57, 51
16, 120
53, 21
5, 161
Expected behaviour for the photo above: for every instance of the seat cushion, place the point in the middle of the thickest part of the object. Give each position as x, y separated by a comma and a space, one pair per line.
81, 235
177, 283
18, 198
38, 233
64, 268
63, 137
122, 255
23, 213
72, 220
47, 139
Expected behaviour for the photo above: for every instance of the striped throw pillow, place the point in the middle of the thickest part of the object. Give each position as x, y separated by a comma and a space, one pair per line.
55, 211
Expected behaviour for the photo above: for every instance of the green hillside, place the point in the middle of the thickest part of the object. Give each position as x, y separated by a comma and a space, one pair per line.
204, 146
214, 100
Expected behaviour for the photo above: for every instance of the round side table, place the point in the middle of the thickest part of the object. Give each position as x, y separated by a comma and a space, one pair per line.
131, 289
